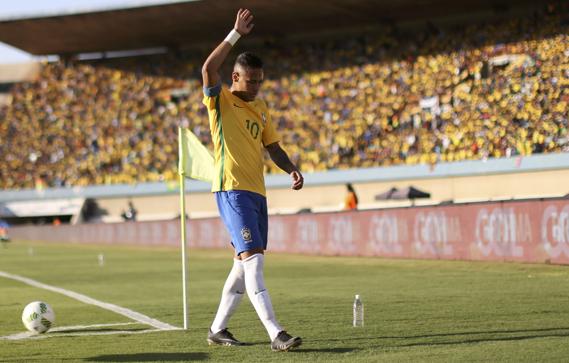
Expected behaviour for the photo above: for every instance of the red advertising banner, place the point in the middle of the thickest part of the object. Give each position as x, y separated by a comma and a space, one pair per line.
525, 231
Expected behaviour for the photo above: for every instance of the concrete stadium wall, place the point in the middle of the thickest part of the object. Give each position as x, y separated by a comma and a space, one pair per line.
535, 231
542, 175
323, 197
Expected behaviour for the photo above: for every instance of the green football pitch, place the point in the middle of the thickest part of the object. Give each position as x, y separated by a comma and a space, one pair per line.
415, 311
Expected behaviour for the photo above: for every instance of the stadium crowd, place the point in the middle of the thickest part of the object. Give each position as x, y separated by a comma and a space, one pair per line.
373, 99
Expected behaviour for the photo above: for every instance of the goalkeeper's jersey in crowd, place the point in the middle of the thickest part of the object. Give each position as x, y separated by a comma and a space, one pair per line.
240, 130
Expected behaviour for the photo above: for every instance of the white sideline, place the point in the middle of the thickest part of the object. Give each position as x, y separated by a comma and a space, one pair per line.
79, 327
30, 335
141, 318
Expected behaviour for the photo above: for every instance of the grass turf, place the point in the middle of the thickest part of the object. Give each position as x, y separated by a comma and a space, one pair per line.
415, 311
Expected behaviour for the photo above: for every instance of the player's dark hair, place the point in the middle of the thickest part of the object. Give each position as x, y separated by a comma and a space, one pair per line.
249, 60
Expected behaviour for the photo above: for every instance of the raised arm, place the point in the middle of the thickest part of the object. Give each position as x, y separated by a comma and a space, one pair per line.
280, 157
210, 68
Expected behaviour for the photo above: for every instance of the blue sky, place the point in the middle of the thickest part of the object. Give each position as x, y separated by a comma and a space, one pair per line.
10, 9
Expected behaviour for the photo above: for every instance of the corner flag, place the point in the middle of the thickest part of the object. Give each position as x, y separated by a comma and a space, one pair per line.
196, 162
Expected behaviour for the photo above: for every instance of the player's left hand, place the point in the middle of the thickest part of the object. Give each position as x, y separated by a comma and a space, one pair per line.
244, 21
297, 180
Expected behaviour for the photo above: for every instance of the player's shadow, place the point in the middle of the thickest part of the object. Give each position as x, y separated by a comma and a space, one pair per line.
149, 357
302, 348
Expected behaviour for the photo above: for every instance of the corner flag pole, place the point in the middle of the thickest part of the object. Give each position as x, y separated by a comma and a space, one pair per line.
196, 162
183, 237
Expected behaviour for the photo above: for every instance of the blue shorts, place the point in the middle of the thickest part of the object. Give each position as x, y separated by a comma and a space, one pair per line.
245, 215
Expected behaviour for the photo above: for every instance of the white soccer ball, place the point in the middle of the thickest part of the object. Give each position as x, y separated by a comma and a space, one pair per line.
38, 317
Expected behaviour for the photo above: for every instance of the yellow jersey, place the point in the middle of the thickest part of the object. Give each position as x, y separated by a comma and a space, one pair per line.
239, 130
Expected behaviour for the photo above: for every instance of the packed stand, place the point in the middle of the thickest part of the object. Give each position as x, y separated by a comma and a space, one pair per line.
488, 90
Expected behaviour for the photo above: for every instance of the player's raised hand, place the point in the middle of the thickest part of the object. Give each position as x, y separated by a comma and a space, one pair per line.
244, 21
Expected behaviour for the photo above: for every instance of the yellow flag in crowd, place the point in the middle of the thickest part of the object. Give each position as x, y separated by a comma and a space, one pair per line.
195, 160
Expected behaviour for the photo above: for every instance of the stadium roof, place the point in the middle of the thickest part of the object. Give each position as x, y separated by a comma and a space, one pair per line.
184, 23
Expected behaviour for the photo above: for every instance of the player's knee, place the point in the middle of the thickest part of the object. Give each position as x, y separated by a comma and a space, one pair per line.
249, 253
254, 279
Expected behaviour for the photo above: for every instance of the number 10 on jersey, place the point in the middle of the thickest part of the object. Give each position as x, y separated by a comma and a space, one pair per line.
253, 128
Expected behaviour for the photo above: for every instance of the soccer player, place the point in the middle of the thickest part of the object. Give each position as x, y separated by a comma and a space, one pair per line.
241, 127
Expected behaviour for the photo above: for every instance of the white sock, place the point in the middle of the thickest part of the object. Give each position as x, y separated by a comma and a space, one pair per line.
258, 294
233, 292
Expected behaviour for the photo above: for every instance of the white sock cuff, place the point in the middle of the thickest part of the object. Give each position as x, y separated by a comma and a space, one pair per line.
236, 278
259, 296
257, 257
231, 296
238, 265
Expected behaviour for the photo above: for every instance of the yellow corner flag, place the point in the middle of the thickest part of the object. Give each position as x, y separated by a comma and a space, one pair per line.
195, 160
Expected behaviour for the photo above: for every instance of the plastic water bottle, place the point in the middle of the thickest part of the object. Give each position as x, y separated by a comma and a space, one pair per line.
358, 312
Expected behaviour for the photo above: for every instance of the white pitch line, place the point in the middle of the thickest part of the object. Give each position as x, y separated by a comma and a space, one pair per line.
19, 336
141, 318
30, 335
80, 327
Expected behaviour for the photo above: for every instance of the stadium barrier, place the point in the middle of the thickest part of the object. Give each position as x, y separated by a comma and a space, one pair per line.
534, 231
535, 176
